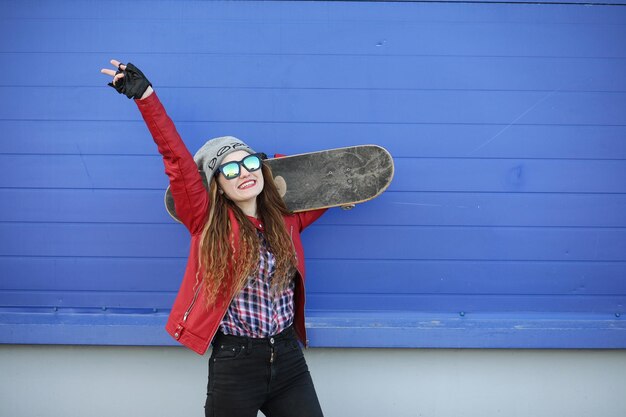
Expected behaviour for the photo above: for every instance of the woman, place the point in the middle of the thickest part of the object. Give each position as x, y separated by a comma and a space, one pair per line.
243, 288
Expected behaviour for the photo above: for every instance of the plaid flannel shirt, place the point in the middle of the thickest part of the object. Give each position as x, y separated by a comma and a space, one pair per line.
255, 311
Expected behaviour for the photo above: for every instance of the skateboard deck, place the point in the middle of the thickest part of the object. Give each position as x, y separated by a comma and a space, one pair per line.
339, 177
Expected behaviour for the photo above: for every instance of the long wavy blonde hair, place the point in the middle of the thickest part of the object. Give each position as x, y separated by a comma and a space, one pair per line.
227, 272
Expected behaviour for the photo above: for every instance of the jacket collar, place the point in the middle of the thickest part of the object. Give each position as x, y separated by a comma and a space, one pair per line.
257, 223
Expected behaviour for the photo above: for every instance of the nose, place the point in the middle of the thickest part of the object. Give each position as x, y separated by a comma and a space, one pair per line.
244, 172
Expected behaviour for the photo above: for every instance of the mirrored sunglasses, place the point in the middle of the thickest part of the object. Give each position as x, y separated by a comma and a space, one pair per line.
232, 169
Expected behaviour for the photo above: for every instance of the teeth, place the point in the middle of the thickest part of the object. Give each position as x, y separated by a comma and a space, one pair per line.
246, 184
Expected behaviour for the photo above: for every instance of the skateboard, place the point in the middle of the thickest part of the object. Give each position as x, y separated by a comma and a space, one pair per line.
341, 177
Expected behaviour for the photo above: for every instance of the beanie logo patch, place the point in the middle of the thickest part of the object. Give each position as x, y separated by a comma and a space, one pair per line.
223, 150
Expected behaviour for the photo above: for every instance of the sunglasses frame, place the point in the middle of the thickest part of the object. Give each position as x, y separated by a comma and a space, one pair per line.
240, 163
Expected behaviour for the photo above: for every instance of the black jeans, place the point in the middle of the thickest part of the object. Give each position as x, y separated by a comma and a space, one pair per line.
247, 375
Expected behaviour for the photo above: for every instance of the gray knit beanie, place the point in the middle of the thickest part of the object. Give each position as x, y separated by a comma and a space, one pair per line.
210, 156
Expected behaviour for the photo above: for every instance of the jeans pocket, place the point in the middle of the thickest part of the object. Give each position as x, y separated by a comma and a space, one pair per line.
228, 351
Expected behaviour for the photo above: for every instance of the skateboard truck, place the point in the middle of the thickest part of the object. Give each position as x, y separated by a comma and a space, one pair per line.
348, 207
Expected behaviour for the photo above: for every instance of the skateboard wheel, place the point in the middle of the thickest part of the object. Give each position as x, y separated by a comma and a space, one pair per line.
281, 185
347, 207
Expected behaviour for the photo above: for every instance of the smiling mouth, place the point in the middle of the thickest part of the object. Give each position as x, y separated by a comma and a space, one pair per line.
247, 184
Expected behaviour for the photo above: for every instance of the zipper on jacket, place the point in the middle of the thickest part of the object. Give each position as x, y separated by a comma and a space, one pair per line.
193, 301
293, 245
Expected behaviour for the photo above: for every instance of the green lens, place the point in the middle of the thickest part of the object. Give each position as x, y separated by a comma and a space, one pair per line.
230, 170
251, 163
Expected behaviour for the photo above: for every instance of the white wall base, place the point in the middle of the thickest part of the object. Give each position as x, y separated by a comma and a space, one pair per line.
94, 381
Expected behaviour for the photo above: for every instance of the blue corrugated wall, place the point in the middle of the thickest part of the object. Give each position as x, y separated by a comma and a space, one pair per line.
505, 225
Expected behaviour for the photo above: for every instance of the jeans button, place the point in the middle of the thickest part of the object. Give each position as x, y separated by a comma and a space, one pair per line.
271, 340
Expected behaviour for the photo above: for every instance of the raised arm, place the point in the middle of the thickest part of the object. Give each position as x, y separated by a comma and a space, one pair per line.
190, 195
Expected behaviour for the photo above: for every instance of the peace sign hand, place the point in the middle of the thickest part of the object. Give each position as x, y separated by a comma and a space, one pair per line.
129, 80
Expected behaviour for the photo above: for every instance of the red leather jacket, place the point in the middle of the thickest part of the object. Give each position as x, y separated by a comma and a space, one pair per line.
190, 321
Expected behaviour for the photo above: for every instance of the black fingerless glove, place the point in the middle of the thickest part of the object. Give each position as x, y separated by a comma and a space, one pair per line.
133, 84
